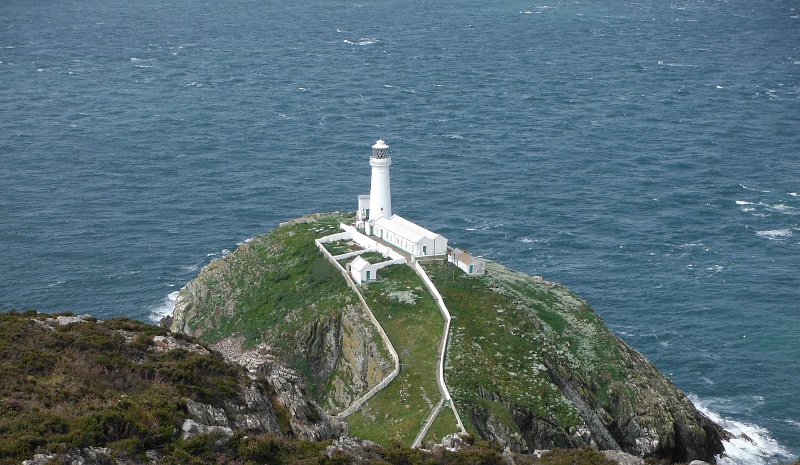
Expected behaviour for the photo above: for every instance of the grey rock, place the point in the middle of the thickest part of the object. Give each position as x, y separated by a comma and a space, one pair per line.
623, 458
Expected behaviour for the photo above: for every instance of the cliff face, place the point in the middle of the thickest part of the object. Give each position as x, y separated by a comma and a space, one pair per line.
276, 302
529, 364
552, 375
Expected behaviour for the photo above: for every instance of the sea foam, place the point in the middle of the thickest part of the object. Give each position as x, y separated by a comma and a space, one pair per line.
165, 308
750, 444
775, 234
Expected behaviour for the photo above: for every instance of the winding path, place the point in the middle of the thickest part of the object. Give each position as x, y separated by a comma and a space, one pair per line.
445, 399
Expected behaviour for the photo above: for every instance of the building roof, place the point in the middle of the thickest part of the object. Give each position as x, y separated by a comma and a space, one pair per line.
405, 228
463, 257
358, 264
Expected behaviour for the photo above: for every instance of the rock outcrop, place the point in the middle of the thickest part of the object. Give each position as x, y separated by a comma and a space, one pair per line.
554, 376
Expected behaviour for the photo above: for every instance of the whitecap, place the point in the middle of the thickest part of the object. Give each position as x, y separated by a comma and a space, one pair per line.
775, 234
783, 208
752, 189
675, 65
526, 240
165, 308
743, 202
361, 41
793, 194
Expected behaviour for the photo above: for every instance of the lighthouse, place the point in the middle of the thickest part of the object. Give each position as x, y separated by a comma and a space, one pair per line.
380, 195
375, 218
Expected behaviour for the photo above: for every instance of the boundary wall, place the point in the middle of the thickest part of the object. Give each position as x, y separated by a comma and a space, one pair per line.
391, 376
364, 241
440, 355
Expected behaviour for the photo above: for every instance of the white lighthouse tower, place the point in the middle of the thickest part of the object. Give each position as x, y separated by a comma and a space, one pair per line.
380, 195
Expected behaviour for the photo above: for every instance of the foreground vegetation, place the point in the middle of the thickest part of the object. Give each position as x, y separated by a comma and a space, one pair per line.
67, 388
98, 385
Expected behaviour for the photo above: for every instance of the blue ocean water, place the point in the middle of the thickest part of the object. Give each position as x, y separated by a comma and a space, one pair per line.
646, 155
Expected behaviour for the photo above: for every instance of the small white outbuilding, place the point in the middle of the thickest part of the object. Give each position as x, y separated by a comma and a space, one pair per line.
466, 262
363, 271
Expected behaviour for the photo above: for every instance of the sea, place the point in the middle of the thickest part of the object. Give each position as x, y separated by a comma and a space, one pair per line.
644, 154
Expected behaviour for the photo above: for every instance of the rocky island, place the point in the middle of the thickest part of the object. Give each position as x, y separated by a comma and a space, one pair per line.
529, 365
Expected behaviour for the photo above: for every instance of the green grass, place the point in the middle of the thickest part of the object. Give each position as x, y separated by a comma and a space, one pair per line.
373, 257
341, 247
413, 323
444, 424
276, 289
509, 331
272, 285
490, 349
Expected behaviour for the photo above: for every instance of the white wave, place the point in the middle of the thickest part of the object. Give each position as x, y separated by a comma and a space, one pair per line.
676, 65
165, 308
787, 209
715, 268
750, 444
752, 189
361, 41
526, 240
775, 234
219, 254
793, 194
743, 202
244, 241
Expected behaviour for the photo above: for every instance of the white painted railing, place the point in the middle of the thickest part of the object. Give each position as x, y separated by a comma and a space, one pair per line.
389, 378
428, 422
440, 355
